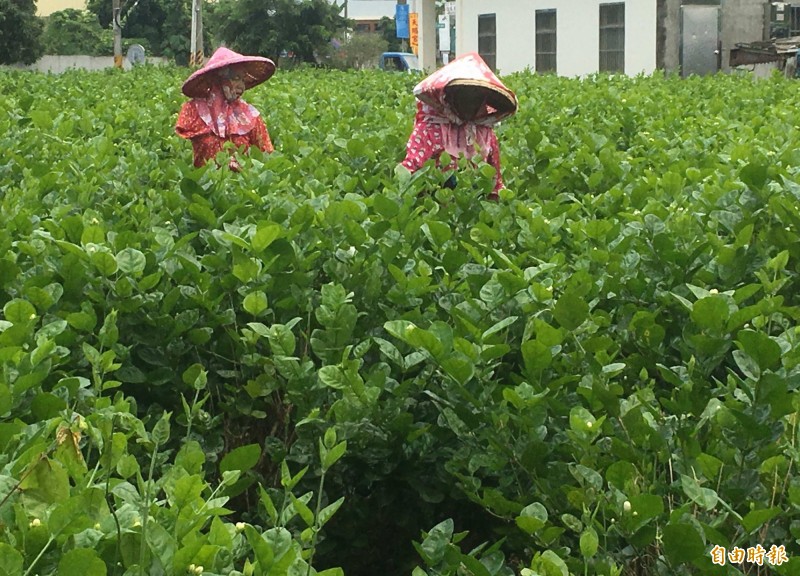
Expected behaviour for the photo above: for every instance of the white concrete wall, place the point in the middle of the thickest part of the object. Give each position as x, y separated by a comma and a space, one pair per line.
742, 22
57, 64
577, 35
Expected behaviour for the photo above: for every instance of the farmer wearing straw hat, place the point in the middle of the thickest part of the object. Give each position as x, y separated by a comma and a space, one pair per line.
457, 106
216, 114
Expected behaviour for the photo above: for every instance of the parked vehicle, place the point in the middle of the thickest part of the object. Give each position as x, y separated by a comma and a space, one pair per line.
399, 61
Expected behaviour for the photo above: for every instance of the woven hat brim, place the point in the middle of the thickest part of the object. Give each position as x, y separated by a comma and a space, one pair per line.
502, 100
255, 69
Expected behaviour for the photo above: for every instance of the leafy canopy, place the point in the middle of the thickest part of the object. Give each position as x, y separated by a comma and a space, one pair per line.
163, 27
270, 27
20, 32
76, 32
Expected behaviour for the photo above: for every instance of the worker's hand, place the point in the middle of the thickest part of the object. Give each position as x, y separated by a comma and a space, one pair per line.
234, 165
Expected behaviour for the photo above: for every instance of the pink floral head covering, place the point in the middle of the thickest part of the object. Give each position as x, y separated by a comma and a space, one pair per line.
468, 70
459, 136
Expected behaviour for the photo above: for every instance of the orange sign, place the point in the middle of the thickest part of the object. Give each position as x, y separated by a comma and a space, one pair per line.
413, 31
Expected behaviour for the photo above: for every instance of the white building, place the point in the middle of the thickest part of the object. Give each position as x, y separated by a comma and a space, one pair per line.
578, 37
366, 13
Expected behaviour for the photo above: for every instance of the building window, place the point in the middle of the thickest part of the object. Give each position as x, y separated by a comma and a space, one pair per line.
545, 41
487, 39
612, 37
794, 21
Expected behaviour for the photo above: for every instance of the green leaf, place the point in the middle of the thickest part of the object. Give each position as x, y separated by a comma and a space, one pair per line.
552, 565
242, 458
46, 481
761, 348
160, 433
532, 518
109, 333
127, 466
265, 235
256, 302
757, 518
195, 376
327, 513
287, 480
571, 311
303, 510
329, 439
536, 356
682, 543
105, 263
503, 324
262, 549
334, 455
747, 365
589, 543
437, 232
621, 474
754, 175
459, 366
131, 261
269, 506
435, 544
93, 235
705, 497
12, 561
647, 506
81, 562
711, 313
390, 351
19, 311
581, 420
333, 377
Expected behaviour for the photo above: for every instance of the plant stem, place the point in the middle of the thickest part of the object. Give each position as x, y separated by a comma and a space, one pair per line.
41, 553
146, 510
316, 522
191, 413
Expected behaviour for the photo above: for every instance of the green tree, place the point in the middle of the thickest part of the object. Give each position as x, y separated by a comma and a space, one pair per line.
388, 29
76, 32
271, 27
20, 32
362, 50
162, 26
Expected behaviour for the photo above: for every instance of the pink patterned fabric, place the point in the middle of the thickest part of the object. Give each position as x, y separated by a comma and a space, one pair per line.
428, 139
225, 118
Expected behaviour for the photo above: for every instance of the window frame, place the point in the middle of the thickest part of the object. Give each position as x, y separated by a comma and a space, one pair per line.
612, 30
489, 55
546, 60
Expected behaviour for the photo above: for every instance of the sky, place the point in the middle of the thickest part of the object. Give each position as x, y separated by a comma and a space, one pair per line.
369, 8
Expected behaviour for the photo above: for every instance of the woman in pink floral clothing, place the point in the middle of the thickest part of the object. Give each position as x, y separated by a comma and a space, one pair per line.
457, 106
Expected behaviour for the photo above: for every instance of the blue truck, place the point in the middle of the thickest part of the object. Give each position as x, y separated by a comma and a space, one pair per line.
399, 61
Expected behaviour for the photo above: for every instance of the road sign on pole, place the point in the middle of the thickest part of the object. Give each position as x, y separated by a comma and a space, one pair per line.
401, 20
413, 29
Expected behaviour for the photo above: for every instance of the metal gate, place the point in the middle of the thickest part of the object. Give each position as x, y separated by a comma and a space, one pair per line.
700, 50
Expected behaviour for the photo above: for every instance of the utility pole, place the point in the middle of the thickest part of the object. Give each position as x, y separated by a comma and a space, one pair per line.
115, 10
197, 57
427, 34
